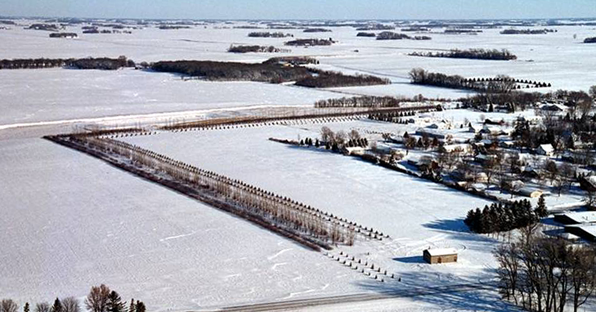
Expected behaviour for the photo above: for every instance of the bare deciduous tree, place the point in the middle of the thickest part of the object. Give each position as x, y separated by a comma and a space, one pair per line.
97, 298
70, 304
7, 305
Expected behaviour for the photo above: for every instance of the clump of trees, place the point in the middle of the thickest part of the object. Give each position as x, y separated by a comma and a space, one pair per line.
63, 35
86, 63
499, 84
99, 299
269, 35
389, 35
316, 30
335, 141
310, 42
46, 27
514, 31
541, 273
264, 72
329, 79
501, 217
590, 40
254, 49
475, 54
292, 60
366, 34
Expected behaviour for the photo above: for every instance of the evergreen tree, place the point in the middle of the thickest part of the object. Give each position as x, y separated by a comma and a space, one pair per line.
317, 143
115, 303
140, 306
133, 307
57, 307
26, 307
541, 208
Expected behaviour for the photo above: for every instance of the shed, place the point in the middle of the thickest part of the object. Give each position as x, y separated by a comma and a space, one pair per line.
545, 149
440, 255
530, 192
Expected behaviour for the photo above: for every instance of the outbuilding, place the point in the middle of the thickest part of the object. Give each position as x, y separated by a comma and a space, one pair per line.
440, 255
545, 149
576, 217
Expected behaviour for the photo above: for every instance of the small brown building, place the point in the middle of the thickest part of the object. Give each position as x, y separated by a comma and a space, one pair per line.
440, 255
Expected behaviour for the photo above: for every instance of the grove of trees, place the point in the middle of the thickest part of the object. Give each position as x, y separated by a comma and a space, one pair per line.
502, 217
545, 274
476, 54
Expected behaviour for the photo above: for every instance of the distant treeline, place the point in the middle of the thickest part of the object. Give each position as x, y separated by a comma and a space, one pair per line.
263, 72
590, 40
310, 42
255, 49
496, 85
47, 27
272, 71
293, 60
475, 54
388, 35
360, 101
366, 34
172, 27
376, 27
527, 31
328, 79
316, 30
269, 35
85, 63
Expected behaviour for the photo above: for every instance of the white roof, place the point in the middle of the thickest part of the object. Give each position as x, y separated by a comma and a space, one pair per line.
547, 147
442, 251
582, 217
589, 228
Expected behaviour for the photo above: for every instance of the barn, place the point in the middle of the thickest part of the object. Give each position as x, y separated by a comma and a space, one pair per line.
576, 217
440, 255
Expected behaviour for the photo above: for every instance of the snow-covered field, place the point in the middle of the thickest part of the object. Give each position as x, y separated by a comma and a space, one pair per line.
416, 214
68, 221
30, 96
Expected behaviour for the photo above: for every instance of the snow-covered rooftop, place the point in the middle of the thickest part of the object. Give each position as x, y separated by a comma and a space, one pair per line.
442, 251
582, 217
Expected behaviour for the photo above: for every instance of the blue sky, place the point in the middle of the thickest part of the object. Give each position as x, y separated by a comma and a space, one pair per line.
302, 9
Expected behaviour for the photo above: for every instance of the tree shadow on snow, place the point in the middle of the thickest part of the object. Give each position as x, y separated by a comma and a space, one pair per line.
412, 259
455, 225
443, 291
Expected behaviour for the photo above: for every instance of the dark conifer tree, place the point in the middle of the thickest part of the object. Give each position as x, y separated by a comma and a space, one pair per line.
57, 307
115, 303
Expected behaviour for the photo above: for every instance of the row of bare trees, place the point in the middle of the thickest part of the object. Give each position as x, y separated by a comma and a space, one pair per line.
546, 274
281, 213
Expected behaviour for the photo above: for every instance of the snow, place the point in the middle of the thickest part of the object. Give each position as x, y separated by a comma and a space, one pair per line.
402, 206
582, 216
54, 94
442, 251
70, 221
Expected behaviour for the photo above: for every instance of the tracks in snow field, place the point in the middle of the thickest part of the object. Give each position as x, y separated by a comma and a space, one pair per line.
355, 298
